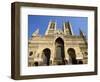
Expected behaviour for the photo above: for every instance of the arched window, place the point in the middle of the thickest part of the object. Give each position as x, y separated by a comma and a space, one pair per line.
30, 53
52, 26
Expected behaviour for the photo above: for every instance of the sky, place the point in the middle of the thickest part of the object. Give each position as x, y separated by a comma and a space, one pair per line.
41, 22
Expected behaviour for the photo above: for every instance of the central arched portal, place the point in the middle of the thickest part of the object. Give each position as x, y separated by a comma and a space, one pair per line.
59, 44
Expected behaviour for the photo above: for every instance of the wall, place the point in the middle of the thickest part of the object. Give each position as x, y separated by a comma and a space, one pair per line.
5, 40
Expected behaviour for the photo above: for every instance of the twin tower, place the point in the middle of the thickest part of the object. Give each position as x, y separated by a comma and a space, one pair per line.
52, 29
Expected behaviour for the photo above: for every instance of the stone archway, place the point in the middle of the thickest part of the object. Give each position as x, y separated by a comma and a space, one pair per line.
59, 45
36, 63
72, 55
46, 56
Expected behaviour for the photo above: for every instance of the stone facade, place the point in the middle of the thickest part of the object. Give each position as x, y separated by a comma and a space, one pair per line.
57, 47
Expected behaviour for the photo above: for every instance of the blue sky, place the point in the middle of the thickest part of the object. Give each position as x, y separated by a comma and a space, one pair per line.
42, 21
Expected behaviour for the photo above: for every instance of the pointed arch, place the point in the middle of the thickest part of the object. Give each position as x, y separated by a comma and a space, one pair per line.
59, 45
72, 55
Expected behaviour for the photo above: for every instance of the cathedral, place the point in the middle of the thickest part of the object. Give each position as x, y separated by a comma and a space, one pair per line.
57, 46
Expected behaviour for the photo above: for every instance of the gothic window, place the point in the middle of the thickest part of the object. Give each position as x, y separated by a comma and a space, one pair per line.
67, 29
52, 26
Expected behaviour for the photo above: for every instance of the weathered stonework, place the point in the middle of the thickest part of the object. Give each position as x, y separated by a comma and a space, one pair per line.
57, 47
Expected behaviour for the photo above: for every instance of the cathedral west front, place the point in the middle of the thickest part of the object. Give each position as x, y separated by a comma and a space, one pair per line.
57, 46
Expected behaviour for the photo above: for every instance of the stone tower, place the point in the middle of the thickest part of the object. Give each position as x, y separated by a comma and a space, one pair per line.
67, 28
51, 28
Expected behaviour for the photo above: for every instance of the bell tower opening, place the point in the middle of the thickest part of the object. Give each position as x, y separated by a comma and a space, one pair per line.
67, 28
51, 28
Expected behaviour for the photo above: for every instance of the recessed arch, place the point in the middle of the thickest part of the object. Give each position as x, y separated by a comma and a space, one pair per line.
46, 56
72, 55
59, 45
36, 63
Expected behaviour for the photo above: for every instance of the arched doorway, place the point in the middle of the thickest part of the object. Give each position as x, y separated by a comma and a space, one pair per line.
46, 56
72, 56
59, 44
36, 63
